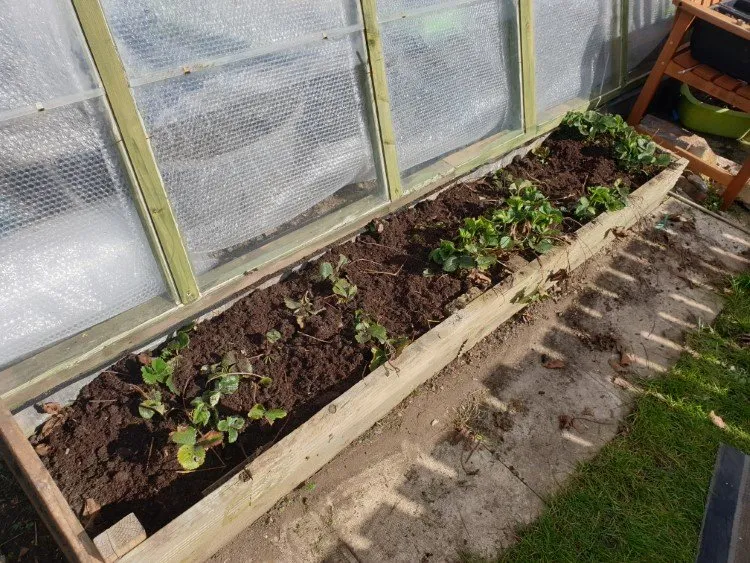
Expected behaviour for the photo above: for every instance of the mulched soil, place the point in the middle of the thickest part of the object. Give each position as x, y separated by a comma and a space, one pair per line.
100, 448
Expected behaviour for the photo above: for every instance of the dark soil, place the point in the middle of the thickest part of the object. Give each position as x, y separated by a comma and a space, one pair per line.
100, 448
572, 166
708, 99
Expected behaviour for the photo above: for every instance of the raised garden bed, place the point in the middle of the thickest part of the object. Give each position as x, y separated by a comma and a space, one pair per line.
313, 341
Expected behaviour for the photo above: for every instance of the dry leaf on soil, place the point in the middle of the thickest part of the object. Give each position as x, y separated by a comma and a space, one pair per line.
47, 428
144, 359
51, 408
553, 363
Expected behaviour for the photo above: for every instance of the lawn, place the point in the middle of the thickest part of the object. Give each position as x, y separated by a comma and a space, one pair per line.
642, 498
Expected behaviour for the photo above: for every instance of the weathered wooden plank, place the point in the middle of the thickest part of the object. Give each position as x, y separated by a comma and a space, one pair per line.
116, 541
376, 60
137, 145
204, 528
43, 493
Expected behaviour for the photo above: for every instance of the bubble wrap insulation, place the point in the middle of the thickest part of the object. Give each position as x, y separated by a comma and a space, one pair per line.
158, 34
41, 53
72, 248
575, 52
246, 147
453, 76
649, 23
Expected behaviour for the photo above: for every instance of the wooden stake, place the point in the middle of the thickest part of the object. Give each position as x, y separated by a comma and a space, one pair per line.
138, 147
624, 32
382, 98
43, 493
116, 541
528, 65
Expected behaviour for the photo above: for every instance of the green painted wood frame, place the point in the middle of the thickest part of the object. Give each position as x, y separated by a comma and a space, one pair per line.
137, 146
379, 80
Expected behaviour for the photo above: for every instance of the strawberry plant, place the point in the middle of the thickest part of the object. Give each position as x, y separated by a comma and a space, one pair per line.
475, 247
592, 124
384, 348
222, 380
259, 412
341, 285
302, 309
631, 149
160, 370
635, 151
192, 451
601, 198
528, 219
151, 405
231, 426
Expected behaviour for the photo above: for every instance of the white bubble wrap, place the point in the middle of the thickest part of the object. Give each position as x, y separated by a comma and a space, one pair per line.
649, 23
247, 146
575, 46
453, 76
72, 249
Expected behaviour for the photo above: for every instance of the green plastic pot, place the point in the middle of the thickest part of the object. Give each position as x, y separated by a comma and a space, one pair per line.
706, 118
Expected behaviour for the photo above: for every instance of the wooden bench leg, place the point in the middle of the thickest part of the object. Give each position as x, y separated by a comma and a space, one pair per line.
682, 23
736, 185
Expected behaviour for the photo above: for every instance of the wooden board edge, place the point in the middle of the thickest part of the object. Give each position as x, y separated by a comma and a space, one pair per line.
42, 491
119, 539
224, 513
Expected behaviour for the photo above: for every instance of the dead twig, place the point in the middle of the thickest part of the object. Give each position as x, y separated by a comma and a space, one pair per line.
318, 339
148, 459
396, 273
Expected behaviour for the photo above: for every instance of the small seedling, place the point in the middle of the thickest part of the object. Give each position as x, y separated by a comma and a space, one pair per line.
542, 154
369, 331
259, 412
341, 285
231, 426
152, 405
192, 451
713, 199
302, 309
273, 336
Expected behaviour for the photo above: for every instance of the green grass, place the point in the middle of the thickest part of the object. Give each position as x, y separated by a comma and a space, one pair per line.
642, 498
